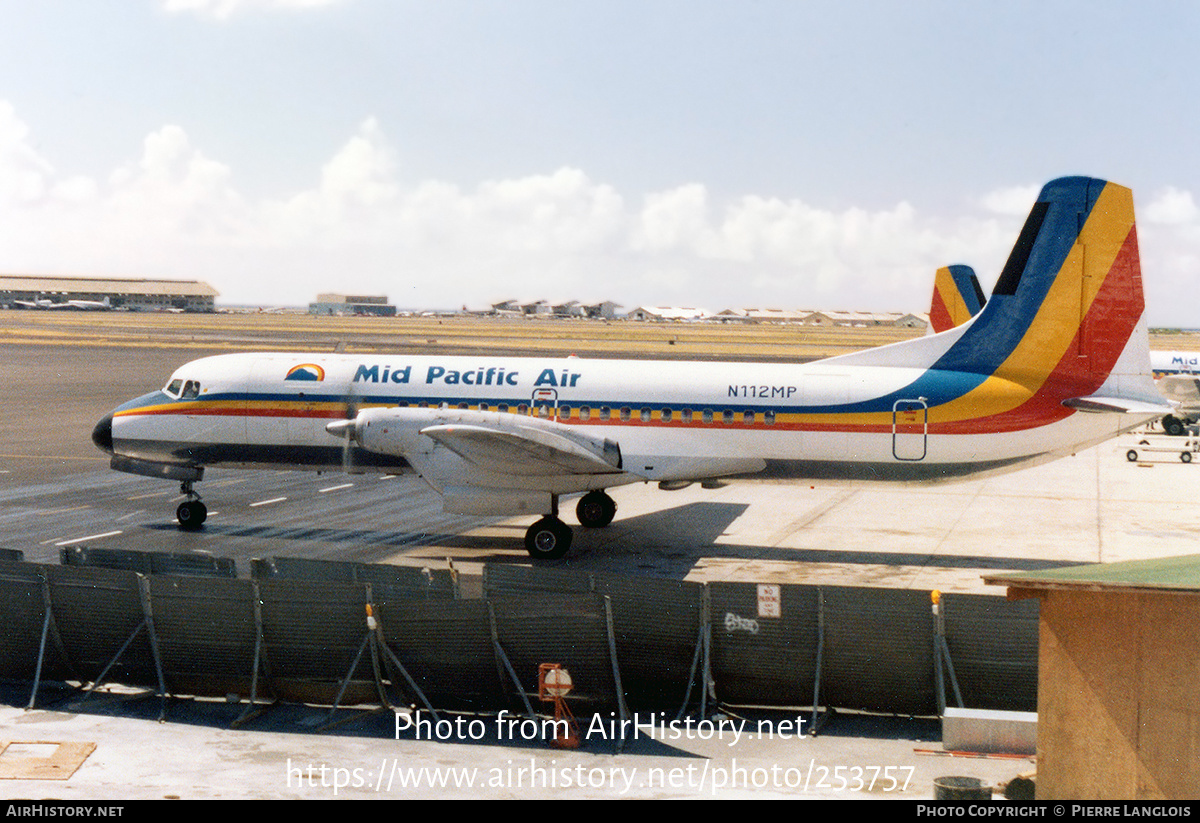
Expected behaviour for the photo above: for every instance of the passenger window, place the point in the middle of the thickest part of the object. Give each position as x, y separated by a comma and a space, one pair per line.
502, 408
666, 415
769, 418
646, 415
748, 418
707, 415
686, 416
727, 416
605, 413
585, 412
625, 414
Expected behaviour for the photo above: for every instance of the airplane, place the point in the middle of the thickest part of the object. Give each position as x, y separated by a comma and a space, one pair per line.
1056, 361
1176, 373
68, 305
1174, 362
1182, 391
90, 305
957, 297
36, 303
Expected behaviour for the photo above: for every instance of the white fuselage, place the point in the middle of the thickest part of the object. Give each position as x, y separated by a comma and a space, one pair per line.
673, 420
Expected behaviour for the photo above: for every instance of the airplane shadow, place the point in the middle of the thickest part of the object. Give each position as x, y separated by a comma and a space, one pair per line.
665, 543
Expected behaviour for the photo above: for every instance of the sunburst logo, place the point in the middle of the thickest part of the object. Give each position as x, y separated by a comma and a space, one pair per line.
306, 371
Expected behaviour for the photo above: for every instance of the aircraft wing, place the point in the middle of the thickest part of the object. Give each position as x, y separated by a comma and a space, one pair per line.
522, 451
489, 442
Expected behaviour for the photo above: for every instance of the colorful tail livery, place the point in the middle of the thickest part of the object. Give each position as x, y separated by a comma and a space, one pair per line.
957, 297
1057, 360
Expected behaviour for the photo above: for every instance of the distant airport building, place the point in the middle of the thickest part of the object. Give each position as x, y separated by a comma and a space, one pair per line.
352, 304
825, 318
35, 291
605, 309
667, 313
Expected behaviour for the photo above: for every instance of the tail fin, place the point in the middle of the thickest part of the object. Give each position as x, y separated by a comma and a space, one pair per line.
1068, 304
957, 297
1062, 330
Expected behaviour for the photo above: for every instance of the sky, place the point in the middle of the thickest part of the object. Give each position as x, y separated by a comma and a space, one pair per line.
705, 153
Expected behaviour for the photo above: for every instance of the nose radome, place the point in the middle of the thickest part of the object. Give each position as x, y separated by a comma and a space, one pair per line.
102, 434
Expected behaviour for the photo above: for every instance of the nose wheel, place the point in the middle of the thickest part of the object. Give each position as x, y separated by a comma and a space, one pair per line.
192, 512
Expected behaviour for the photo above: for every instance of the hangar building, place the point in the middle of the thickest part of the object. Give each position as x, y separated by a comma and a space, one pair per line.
130, 294
352, 304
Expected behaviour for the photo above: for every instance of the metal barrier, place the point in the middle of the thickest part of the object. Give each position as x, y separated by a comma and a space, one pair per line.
387, 580
341, 633
189, 563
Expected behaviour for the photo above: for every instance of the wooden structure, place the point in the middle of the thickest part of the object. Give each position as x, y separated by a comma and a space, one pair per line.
1118, 678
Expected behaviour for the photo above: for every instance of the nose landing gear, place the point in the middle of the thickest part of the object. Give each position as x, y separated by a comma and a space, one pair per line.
192, 512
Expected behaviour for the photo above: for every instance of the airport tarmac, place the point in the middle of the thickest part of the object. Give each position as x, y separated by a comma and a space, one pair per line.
56, 491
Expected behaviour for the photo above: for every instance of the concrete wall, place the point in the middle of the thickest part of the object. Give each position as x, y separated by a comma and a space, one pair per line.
1119, 696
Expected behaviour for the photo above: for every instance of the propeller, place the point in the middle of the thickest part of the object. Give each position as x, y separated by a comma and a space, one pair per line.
347, 430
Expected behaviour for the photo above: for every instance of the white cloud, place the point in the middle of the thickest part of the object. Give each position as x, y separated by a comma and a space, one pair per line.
356, 193
224, 9
1172, 207
174, 191
24, 175
1011, 201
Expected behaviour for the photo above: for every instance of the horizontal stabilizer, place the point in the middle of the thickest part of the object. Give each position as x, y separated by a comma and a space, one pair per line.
1098, 404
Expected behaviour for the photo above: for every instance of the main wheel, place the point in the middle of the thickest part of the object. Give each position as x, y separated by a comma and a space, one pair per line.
548, 539
596, 510
191, 515
1173, 426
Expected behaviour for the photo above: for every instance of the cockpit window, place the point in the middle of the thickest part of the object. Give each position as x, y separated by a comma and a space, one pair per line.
173, 388
191, 390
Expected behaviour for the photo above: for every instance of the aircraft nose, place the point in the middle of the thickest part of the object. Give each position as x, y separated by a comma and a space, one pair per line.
102, 434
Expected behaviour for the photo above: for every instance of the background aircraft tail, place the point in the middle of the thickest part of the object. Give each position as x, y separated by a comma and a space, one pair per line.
957, 297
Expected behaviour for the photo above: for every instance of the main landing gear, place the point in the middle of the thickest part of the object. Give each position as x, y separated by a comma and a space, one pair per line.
596, 510
550, 538
192, 512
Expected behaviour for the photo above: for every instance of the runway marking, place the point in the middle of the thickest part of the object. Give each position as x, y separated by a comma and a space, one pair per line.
47, 457
335, 488
89, 537
149, 494
65, 510
268, 502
